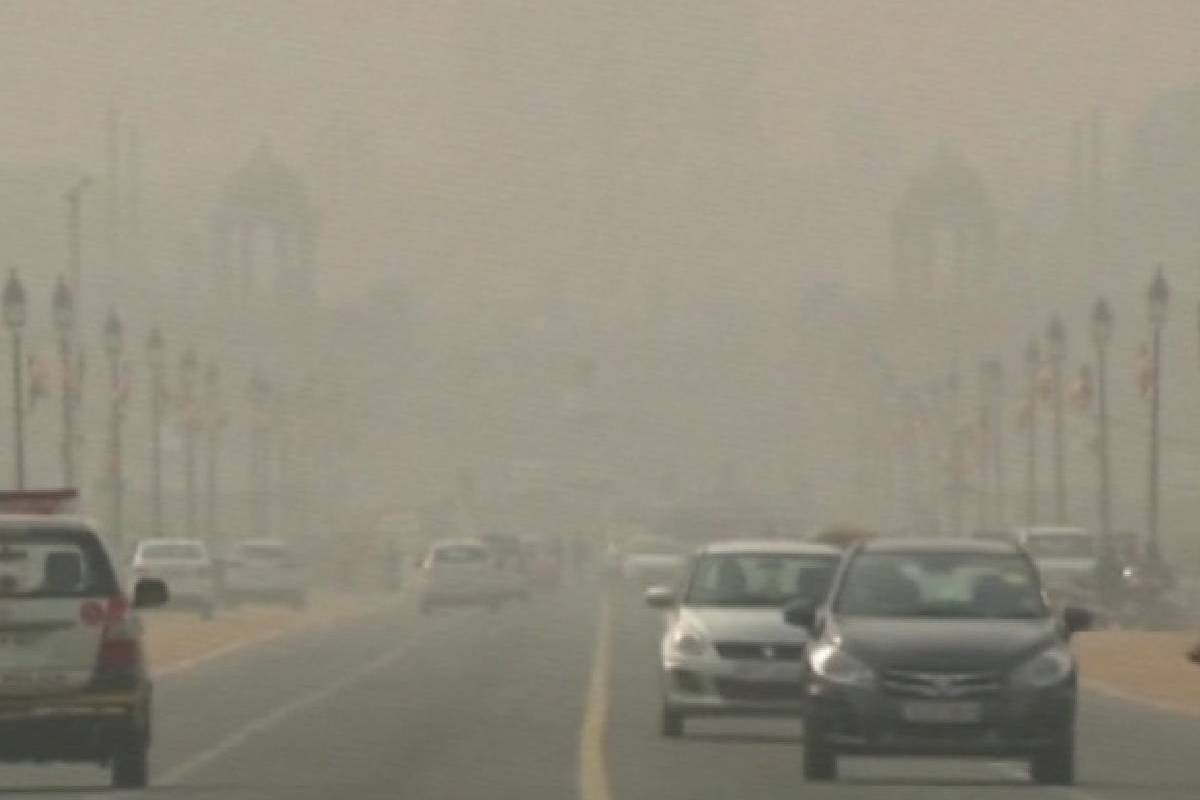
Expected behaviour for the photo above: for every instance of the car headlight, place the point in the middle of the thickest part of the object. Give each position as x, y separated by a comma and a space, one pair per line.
837, 666
687, 641
1050, 666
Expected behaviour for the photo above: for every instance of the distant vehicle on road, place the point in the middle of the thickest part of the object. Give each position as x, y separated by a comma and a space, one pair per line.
185, 566
73, 680
460, 572
939, 647
727, 649
264, 570
1066, 557
652, 560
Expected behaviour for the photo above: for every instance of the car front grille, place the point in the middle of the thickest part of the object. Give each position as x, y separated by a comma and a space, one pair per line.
941, 685
734, 689
765, 651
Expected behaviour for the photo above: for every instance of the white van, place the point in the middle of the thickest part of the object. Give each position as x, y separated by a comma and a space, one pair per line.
460, 572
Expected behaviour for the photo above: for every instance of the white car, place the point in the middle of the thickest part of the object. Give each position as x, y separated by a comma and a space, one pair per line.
264, 570
185, 566
73, 680
460, 572
727, 649
652, 560
1066, 557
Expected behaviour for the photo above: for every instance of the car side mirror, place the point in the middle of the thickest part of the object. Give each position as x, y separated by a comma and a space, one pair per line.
149, 593
660, 597
801, 612
1076, 619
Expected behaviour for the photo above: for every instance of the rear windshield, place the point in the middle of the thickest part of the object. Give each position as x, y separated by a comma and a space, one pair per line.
262, 552
173, 551
54, 563
460, 554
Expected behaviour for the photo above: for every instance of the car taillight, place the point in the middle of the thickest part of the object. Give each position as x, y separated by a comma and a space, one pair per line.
120, 651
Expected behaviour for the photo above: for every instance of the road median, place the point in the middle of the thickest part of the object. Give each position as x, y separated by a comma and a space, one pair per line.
177, 641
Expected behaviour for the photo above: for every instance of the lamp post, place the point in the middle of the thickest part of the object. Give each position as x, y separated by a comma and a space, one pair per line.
1102, 322
1056, 338
1033, 366
213, 422
14, 318
154, 357
187, 367
112, 347
1156, 296
260, 397
63, 306
74, 198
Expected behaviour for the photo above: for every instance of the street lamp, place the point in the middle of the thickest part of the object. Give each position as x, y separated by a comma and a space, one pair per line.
63, 307
1102, 323
212, 415
187, 366
113, 343
1033, 366
154, 357
1056, 337
14, 318
1156, 296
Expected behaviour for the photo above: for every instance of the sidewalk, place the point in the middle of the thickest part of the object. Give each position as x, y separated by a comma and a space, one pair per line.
176, 641
1146, 667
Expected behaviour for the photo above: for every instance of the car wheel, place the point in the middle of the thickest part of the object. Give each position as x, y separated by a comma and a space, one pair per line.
1055, 765
820, 760
672, 722
131, 766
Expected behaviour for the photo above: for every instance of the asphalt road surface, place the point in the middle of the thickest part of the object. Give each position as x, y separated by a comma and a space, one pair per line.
551, 700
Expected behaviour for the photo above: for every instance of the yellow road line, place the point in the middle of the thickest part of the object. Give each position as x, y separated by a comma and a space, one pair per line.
593, 764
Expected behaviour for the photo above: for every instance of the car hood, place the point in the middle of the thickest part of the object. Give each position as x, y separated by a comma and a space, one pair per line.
940, 644
760, 624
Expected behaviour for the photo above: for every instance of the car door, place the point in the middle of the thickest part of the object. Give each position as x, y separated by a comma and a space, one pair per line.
57, 591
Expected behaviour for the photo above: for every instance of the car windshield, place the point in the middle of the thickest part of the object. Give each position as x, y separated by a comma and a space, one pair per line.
754, 579
940, 585
172, 551
53, 563
1060, 545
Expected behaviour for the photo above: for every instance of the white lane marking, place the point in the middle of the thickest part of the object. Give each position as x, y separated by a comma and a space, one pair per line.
240, 736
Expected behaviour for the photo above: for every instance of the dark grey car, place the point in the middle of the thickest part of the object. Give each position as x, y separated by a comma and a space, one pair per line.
940, 647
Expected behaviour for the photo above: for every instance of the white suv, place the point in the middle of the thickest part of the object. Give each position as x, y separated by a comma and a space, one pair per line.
73, 680
185, 566
264, 570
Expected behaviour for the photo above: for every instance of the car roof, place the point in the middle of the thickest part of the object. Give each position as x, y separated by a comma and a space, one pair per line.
897, 544
768, 546
49, 521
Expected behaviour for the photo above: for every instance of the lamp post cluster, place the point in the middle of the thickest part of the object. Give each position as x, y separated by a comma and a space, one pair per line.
197, 399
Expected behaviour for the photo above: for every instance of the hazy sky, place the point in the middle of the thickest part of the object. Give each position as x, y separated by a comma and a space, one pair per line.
397, 94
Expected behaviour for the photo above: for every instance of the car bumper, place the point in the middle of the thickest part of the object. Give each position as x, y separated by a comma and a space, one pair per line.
71, 728
715, 687
869, 722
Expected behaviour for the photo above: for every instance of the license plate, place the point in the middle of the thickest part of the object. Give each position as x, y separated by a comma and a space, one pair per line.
942, 713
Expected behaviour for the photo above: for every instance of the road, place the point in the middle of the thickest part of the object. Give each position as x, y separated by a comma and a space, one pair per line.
475, 704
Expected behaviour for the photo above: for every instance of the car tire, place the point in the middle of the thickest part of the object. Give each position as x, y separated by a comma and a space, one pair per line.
820, 760
1054, 765
131, 766
671, 723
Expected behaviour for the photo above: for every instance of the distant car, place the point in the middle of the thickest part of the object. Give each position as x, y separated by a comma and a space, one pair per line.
652, 560
264, 570
73, 679
727, 649
460, 572
1067, 557
185, 566
939, 647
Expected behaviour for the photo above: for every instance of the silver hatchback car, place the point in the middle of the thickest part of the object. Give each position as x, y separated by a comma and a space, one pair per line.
727, 649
